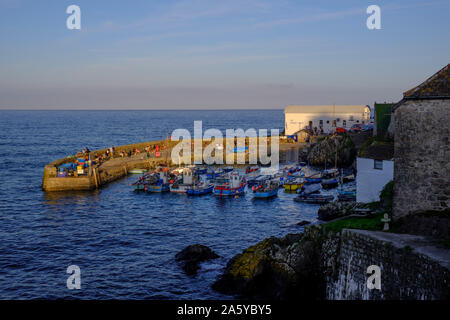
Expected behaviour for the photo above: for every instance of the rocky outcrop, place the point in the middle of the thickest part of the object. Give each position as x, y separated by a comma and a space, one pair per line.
276, 268
324, 151
191, 256
334, 210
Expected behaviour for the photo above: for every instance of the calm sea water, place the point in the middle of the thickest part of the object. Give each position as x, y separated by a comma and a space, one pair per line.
124, 242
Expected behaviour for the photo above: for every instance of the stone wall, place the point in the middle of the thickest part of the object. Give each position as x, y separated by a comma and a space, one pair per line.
411, 267
422, 153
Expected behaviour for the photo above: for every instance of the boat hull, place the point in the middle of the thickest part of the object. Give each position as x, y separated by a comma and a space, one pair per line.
228, 191
292, 187
199, 192
156, 188
266, 194
179, 188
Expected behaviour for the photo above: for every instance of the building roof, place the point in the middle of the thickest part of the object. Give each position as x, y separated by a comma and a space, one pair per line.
326, 109
437, 86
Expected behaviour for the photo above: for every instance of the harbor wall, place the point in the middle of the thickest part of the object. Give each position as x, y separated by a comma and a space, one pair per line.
411, 267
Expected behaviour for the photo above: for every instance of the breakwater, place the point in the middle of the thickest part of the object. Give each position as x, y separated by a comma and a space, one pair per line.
99, 175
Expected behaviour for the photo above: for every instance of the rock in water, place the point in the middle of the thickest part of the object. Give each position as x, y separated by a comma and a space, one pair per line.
276, 268
303, 223
191, 256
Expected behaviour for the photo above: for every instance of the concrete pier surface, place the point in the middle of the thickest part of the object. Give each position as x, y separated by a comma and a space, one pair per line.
118, 167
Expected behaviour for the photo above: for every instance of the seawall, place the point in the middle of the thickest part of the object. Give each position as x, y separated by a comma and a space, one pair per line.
412, 267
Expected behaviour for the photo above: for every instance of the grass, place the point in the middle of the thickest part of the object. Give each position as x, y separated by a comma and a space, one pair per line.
372, 222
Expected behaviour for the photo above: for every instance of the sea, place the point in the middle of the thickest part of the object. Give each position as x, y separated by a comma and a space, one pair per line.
123, 242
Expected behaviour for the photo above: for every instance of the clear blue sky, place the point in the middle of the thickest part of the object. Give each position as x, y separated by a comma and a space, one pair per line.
216, 54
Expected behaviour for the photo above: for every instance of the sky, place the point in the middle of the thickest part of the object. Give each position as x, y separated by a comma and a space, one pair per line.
216, 54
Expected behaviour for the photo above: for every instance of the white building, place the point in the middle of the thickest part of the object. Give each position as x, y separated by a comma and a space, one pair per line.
375, 168
324, 117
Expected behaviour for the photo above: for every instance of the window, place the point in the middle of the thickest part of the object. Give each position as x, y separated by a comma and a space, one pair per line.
321, 123
352, 118
378, 164
328, 121
357, 121
338, 119
344, 123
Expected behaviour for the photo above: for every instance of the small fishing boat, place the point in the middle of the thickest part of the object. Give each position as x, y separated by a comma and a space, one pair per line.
315, 198
346, 195
229, 185
293, 184
315, 178
213, 174
228, 169
251, 169
161, 184
330, 173
142, 182
309, 189
181, 185
200, 170
330, 183
267, 189
200, 189
137, 171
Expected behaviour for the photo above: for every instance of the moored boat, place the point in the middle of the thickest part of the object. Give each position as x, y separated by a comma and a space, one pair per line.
309, 189
181, 185
330, 183
161, 185
231, 185
228, 169
294, 184
251, 169
315, 198
200, 189
267, 189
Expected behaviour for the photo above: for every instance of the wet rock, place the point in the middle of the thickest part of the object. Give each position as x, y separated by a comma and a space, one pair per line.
334, 210
191, 256
303, 223
276, 268
324, 151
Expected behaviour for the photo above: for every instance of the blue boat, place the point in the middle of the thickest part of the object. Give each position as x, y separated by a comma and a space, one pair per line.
228, 169
214, 174
313, 180
330, 183
200, 190
266, 190
230, 186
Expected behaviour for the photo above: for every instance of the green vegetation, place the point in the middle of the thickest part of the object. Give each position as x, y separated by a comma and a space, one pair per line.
371, 222
372, 141
386, 196
383, 117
